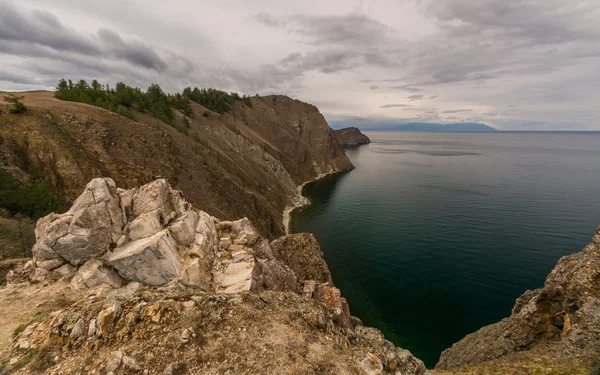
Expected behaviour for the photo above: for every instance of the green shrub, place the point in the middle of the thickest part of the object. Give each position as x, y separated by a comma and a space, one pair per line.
18, 107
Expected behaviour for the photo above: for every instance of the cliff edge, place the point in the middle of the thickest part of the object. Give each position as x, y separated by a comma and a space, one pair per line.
559, 323
140, 281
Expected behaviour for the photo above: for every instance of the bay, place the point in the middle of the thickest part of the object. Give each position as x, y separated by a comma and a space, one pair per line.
435, 235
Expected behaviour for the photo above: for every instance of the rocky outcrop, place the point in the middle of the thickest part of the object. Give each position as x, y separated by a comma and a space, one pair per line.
303, 254
152, 236
561, 319
351, 137
156, 280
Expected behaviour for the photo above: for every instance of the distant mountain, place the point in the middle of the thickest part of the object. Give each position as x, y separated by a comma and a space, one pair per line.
432, 127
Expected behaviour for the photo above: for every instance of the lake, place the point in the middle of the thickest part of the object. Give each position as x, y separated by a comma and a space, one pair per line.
435, 235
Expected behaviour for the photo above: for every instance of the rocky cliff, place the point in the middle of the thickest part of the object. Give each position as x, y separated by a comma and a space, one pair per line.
244, 163
351, 137
140, 281
560, 321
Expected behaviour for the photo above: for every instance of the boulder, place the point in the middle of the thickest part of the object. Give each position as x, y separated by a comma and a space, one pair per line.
242, 232
87, 230
95, 273
145, 225
235, 271
153, 261
184, 228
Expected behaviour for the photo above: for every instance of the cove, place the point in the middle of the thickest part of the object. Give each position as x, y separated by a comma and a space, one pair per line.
435, 235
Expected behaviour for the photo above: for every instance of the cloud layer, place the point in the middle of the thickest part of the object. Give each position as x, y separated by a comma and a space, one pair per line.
513, 65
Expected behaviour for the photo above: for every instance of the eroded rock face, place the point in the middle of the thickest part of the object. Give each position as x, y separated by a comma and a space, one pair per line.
153, 236
563, 316
303, 254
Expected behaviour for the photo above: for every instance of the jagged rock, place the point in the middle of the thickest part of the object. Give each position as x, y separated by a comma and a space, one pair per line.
106, 319
87, 230
302, 253
241, 231
78, 329
145, 225
195, 273
234, 271
563, 316
150, 197
94, 274
92, 328
184, 228
152, 261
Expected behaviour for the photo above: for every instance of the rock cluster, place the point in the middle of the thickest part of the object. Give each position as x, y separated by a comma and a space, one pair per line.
562, 318
152, 236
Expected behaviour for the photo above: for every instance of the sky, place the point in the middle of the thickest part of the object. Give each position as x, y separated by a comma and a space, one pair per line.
514, 65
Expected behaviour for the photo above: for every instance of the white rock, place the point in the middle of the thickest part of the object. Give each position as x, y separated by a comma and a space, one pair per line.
145, 225
153, 196
187, 335
152, 261
114, 361
184, 228
94, 274
78, 329
196, 273
233, 272
92, 328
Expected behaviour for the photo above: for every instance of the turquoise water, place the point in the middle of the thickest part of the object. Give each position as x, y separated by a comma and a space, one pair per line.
434, 235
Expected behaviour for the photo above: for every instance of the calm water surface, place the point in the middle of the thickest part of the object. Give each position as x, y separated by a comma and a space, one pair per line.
435, 235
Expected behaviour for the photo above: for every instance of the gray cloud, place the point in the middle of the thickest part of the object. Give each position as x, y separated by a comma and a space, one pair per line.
395, 106
374, 87
541, 55
43, 32
136, 52
407, 87
457, 111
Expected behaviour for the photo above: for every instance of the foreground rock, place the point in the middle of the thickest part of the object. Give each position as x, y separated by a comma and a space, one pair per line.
152, 236
163, 288
561, 320
351, 137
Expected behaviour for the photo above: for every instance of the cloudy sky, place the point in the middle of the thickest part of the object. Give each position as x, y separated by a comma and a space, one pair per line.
522, 64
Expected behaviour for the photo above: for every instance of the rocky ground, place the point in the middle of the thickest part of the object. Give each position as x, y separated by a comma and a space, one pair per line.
351, 137
140, 281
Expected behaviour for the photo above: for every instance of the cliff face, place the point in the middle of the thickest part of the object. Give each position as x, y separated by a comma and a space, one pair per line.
140, 281
560, 320
244, 163
351, 137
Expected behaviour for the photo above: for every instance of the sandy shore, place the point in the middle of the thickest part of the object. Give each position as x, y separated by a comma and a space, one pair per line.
300, 201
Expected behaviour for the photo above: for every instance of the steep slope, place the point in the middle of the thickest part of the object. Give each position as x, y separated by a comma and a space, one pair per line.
246, 162
350, 137
560, 321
